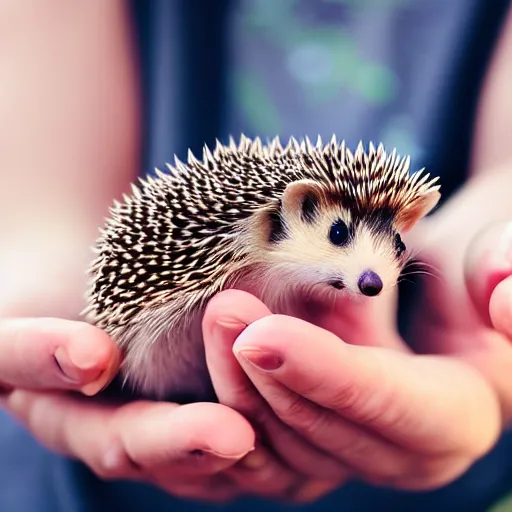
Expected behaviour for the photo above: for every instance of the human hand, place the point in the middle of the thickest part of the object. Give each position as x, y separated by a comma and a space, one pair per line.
340, 396
181, 449
467, 312
107, 438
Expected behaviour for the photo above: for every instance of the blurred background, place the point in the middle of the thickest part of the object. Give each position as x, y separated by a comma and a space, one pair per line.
402, 72
94, 93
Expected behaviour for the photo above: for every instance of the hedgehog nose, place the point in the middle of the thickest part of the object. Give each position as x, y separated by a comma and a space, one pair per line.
370, 283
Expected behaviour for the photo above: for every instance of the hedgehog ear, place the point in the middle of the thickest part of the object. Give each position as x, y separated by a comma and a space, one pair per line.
302, 199
422, 206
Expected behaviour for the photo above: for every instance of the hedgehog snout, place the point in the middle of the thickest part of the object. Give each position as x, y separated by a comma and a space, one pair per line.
370, 283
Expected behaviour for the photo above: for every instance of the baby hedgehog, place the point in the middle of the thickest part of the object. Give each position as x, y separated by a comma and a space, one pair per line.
276, 222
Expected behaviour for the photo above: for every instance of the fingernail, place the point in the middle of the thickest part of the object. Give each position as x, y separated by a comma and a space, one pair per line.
70, 369
93, 388
82, 359
102, 381
232, 324
206, 451
267, 361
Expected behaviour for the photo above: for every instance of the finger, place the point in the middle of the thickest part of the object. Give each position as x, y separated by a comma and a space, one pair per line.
488, 261
254, 475
225, 318
495, 362
261, 473
352, 445
500, 307
141, 440
368, 456
343, 440
414, 401
300, 490
55, 354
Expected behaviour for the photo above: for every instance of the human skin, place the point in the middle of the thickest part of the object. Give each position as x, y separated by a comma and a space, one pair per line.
399, 419
206, 450
384, 413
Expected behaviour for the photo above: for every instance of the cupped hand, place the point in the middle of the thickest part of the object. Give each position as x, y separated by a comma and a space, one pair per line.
334, 395
182, 449
337, 395
467, 312
341, 396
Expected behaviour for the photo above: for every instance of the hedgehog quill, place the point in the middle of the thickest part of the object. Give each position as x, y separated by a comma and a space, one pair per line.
269, 219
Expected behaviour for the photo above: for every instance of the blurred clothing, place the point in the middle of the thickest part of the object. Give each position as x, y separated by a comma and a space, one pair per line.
403, 72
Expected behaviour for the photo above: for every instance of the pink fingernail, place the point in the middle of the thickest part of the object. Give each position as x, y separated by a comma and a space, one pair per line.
67, 367
103, 377
201, 452
267, 361
82, 360
232, 324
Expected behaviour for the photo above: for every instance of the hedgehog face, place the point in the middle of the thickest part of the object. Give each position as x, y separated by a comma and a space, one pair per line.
317, 240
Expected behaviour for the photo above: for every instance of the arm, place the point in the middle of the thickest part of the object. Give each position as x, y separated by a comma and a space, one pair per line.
69, 144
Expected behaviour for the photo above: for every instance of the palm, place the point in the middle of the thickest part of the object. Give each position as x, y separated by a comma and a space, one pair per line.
464, 310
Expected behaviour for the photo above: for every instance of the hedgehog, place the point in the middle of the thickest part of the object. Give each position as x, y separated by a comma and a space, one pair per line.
274, 220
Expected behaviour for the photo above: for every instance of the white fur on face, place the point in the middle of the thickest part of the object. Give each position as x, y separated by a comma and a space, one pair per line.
308, 255
369, 252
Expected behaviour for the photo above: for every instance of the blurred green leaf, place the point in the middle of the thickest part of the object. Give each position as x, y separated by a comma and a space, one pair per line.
505, 505
256, 104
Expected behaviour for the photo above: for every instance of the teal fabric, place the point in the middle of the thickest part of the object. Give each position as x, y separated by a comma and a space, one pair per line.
404, 72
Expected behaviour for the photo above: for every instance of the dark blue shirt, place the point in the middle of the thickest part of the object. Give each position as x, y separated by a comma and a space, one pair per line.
404, 72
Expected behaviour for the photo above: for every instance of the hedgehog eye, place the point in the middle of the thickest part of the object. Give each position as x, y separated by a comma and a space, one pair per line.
339, 233
399, 245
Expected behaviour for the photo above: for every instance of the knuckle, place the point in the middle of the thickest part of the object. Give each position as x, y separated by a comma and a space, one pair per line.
291, 409
383, 415
105, 472
114, 463
312, 423
345, 397
102, 471
297, 412
377, 409
312, 385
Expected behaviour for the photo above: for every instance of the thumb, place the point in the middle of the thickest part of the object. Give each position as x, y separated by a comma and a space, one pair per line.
413, 401
488, 262
500, 307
